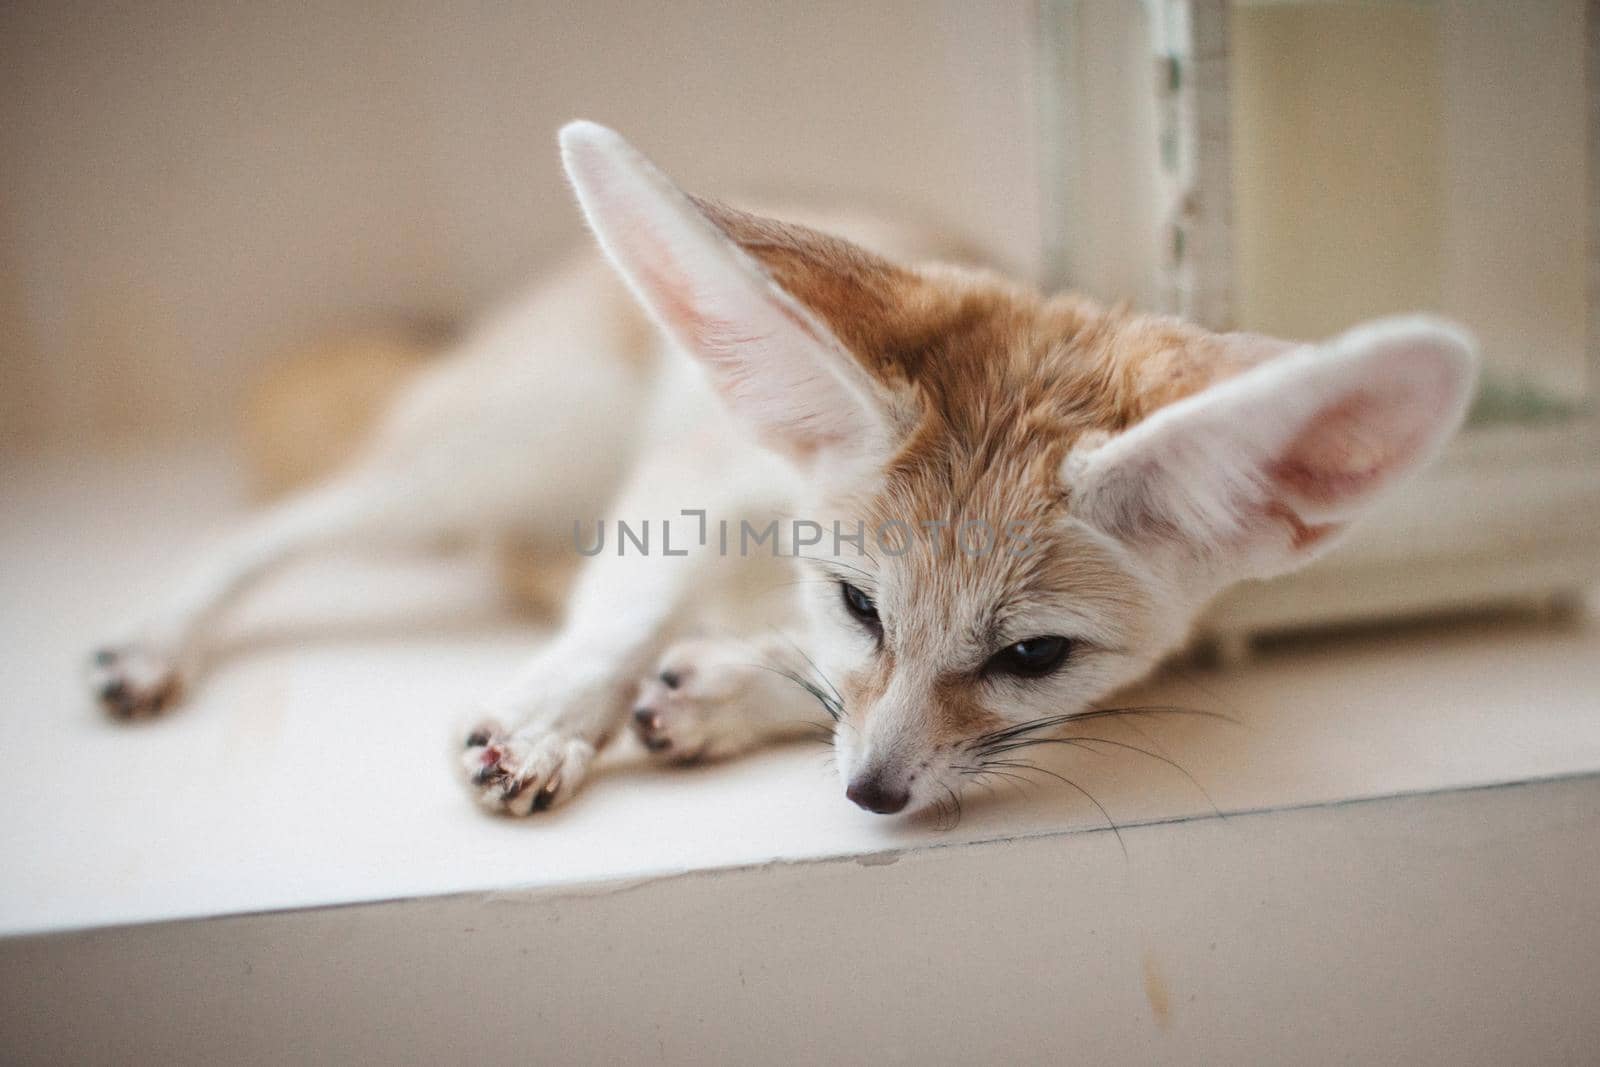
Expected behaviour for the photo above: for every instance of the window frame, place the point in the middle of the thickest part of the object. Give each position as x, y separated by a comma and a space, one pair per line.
1509, 513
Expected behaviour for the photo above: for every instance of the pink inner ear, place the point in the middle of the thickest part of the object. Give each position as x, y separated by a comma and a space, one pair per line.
657, 269
660, 275
723, 344
1355, 446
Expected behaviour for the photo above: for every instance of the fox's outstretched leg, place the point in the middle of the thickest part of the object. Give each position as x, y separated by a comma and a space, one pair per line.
496, 437
146, 668
541, 732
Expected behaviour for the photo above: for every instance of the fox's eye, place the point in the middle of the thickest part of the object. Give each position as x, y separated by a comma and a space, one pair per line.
1033, 658
861, 608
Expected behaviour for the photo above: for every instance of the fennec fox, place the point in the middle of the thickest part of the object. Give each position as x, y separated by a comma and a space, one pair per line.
1003, 505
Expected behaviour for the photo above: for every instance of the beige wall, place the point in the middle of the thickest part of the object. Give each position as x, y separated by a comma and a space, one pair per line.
1517, 143
1393, 156
1338, 163
1103, 188
189, 186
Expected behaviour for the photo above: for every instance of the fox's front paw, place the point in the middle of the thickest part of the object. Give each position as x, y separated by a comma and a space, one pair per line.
696, 705
527, 770
134, 681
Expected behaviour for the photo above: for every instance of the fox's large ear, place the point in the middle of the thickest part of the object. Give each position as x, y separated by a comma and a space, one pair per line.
1262, 472
775, 363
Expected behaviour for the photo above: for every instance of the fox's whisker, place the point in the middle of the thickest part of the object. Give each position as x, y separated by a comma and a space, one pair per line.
1110, 822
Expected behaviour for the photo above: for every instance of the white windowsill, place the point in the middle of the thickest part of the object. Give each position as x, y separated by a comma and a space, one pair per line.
316, 768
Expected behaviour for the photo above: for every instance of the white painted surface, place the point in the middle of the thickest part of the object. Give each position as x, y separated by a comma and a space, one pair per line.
1452, 928
316, 767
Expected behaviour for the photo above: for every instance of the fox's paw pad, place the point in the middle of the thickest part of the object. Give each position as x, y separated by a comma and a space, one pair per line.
679, 732
133, 681
690, 709
524, 771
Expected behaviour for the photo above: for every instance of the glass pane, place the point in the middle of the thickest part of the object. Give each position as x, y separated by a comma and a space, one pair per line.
1392, 156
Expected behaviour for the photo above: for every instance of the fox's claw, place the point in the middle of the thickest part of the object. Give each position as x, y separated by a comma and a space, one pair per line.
520, 773
133, 681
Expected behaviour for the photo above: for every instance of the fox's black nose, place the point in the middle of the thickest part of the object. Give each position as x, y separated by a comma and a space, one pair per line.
870, 792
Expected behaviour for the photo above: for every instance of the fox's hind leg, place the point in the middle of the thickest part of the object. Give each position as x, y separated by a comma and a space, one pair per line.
498, 438
148, 666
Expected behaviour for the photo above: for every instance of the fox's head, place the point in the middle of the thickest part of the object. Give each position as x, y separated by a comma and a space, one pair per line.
1050, 491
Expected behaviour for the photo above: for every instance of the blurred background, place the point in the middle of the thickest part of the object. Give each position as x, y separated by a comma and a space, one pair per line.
193, 187
1418, 155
